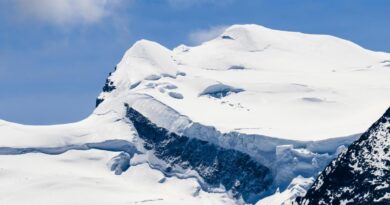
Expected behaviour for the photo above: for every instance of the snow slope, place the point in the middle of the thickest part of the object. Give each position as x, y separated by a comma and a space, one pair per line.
292, 85
84, 177
96, 128
285, 103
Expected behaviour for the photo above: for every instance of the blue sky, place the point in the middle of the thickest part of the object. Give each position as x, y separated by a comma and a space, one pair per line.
56, 54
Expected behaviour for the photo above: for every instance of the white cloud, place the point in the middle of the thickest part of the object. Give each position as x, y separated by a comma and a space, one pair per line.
66, 12
200, 36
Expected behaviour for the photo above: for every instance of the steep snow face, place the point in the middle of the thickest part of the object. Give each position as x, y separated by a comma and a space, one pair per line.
237, 172
360, 175
255, 80
285, 158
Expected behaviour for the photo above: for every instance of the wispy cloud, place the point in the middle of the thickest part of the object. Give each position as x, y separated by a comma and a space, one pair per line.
66, 12
199, 36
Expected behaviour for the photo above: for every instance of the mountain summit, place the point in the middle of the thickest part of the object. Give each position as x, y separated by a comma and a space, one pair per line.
271, 81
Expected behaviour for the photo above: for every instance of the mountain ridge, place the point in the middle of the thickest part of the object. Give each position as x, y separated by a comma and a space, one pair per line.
360, 175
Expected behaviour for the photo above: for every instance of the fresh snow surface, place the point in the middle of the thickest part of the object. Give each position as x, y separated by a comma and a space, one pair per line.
282, 84
84, 177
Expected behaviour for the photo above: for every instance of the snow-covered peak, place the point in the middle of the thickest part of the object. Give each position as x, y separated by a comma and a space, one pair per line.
276, 83
256, 36
144, 60
258, 47
250, 37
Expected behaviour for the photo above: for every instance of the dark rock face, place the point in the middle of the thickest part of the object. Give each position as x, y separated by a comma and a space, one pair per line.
98, 101
108, 87
236, 171
361, 175
227, 37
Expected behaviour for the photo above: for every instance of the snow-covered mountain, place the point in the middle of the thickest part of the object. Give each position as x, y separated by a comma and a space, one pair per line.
270, 81
361, 174
252, 115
